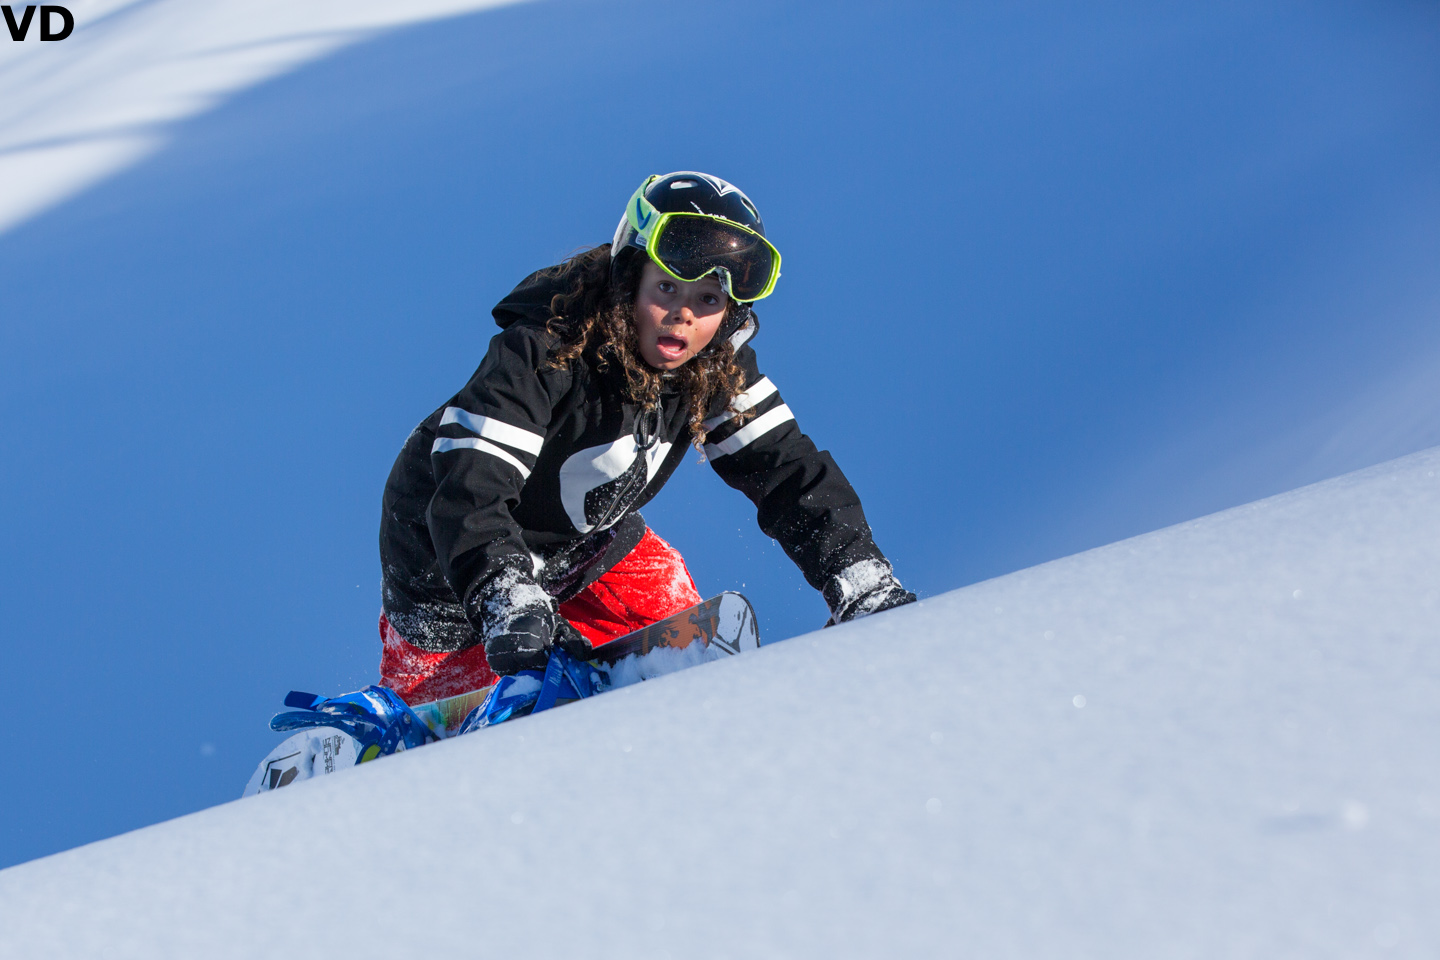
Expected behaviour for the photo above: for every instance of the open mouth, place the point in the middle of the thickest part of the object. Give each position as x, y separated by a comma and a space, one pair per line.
671, 348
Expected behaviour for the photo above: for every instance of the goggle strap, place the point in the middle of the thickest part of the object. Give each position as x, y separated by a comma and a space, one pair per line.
641, 213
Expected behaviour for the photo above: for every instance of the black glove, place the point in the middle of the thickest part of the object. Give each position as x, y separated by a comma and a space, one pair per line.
862, 589
570, 640
524, 641
523, 644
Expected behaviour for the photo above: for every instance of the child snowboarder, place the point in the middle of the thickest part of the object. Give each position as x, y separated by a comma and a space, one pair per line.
509, 523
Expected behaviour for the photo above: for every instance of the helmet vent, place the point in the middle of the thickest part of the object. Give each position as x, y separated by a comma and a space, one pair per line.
682, 184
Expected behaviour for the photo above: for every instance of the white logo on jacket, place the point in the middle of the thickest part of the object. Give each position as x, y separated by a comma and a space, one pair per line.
586, 471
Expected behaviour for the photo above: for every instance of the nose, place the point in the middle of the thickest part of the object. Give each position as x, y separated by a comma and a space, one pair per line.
684, 315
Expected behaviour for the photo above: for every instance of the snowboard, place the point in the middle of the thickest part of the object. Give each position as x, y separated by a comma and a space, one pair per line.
726, 622
309, 753
719, 627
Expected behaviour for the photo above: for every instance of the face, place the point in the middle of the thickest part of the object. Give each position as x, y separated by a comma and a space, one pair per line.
676, 319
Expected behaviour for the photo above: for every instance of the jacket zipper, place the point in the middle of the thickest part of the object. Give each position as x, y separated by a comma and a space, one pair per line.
625, 495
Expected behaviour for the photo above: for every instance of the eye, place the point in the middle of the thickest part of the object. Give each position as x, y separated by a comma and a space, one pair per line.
665, 286
711, 299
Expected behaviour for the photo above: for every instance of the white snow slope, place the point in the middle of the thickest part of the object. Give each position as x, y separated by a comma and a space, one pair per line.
1216, 740
79, 110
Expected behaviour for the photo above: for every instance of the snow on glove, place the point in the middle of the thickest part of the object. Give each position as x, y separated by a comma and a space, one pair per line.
862, 589
523, 644
515, 619
528, 639
519, 624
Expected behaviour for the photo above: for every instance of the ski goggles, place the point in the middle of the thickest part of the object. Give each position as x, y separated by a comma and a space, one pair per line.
689, 246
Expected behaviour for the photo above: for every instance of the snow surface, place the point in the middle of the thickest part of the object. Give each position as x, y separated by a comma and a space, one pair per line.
1219, 739
660, 662
103, 98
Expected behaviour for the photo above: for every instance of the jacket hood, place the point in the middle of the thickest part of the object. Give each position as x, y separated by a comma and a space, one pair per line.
530, 300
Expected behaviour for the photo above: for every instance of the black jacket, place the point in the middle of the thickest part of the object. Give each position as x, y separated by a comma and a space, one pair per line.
524, 486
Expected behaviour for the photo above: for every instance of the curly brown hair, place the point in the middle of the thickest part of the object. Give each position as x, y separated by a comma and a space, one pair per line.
595, 318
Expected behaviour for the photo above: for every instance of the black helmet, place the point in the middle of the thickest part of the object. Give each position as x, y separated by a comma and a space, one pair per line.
693, 224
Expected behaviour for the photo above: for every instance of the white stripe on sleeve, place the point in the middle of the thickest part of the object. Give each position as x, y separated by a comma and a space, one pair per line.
446, 444
749, 433
743, 401
492, 429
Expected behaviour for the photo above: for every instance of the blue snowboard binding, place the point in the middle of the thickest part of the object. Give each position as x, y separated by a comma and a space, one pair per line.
531, 691
374, 716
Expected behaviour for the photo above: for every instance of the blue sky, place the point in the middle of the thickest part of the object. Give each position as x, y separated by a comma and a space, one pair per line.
1054, 277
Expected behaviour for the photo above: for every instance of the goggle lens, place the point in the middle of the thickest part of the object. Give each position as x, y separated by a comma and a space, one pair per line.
693, 245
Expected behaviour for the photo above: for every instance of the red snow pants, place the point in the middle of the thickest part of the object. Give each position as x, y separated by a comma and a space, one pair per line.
649, 584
